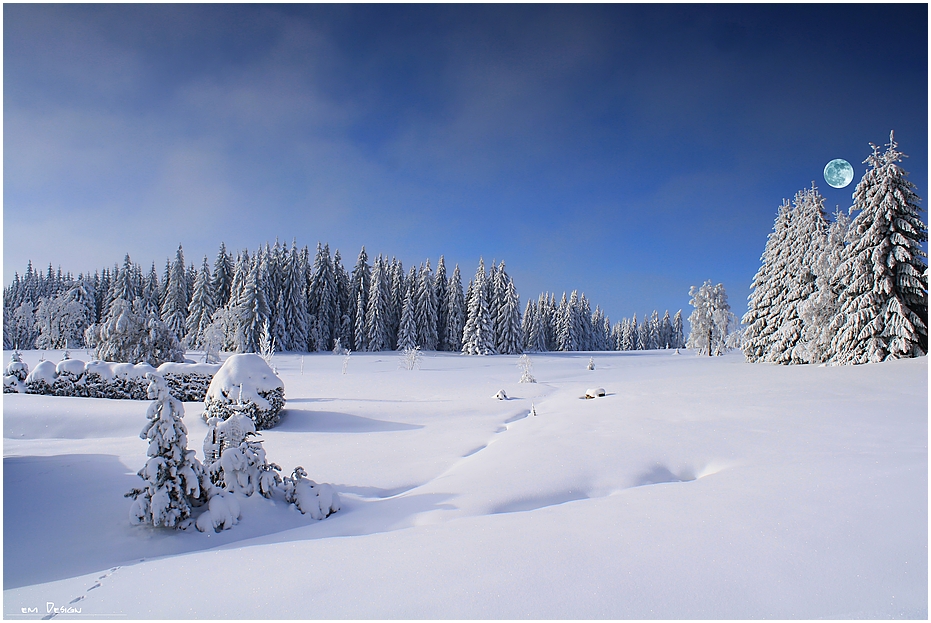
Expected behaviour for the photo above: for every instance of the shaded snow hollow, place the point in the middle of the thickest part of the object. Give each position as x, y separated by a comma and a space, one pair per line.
697, 487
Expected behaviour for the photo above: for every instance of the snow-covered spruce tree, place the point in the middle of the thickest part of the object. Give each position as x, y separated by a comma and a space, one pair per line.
711, 319
359, 289
766, 299
201, 308
665, 332
456, 312
344, 303
805, 240
222, 277
174, 306
235, 459
478, 335
133, 336
407, 333
509, 334
322, 299
883, 277
252, 311
174, 478
440, 288
294, 304
424, 310
678, 340
376, 316
819, 310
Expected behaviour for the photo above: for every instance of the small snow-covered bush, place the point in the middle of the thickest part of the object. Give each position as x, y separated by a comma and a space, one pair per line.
17, 367
591, 363
174, 478
235, 459
526, 368
15, 376
41, 379
317, 500
103, 379
245, 384
410, 358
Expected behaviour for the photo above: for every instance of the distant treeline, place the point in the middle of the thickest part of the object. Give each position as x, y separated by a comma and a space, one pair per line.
312, 303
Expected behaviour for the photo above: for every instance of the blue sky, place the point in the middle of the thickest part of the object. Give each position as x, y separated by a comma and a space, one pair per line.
625, 151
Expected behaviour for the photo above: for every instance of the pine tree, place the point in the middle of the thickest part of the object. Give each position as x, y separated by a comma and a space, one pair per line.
201, 308
407, 332
359, 289
442, 304
478, 335
805, 240
222, 277
174, 307
765, 301
510, 336
456, 312
425, 311
294, 303
322, 299
174, 478
376, 315
252, 311
678, 339
884, 297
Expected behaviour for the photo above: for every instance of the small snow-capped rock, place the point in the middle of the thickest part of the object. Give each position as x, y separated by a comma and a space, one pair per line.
501, 395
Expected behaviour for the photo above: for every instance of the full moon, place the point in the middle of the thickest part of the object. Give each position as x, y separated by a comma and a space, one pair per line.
838, 173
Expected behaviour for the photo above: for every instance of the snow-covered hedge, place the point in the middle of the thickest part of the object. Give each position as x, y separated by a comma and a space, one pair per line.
187, 382
15, 376
245, 384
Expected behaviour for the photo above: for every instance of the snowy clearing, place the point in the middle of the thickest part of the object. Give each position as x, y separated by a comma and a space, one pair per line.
696, 487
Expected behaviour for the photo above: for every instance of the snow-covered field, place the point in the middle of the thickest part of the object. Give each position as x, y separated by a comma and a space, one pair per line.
696, 488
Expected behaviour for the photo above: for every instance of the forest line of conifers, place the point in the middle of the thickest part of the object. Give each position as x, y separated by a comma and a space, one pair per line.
311, 304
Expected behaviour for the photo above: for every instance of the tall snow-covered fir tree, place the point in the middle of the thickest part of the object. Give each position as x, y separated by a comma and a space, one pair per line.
202, 307
359, 289
252, 310
376, 314
174, 307
174, 480
425, 309
883, 298
678, 339
222, 276
509, 335
407, 331
805, 240
478, 335
818, 311
766, 299
455, 319
442, 303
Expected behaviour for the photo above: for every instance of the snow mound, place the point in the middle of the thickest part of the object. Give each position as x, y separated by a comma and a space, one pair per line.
41, 379
72, 367
245, 384
501, 395
223, 512
179, 369
596, 392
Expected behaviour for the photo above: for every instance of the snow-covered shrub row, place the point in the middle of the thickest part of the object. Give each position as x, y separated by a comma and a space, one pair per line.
245, 385
101, 379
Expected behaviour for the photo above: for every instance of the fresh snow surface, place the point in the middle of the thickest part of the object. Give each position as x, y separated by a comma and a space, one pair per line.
697, 487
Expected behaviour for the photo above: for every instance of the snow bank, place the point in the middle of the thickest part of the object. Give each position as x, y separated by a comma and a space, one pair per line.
245, 384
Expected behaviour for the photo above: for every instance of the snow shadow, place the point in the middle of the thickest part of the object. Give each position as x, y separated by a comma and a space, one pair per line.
532, 504
660, 474
303, 421
58, 511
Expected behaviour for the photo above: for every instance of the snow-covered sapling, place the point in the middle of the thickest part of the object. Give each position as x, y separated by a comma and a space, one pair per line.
410, 358
16, 373
267, 345
174, 478
317, 500
591, 363
235, 459
526, 368
346, 361
501, 395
